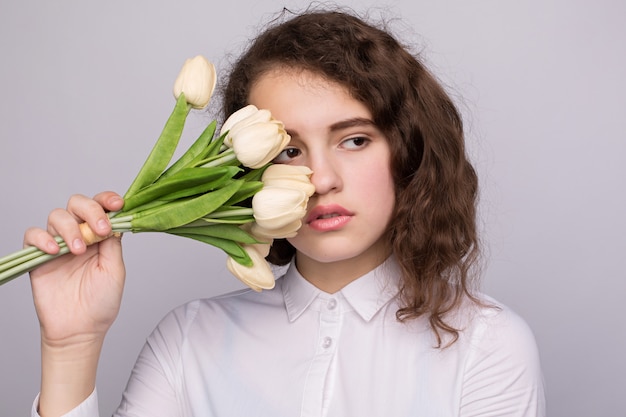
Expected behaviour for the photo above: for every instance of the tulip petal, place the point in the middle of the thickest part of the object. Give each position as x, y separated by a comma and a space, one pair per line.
259, 276
197, 80
237, 117
287, 231
275, 207
258, 144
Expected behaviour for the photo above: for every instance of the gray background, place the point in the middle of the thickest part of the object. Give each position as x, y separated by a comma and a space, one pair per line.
86, 88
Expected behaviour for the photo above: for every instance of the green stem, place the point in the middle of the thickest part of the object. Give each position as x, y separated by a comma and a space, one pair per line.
5, 266
27, 259
230, 213
224, 158
22, 268
122, 227
122, 219
24, 252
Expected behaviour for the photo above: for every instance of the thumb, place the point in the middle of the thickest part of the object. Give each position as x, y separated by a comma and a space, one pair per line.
110, 253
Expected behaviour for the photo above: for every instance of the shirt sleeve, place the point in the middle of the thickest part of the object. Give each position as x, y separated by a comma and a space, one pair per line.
503, 374
155, 384
88, 408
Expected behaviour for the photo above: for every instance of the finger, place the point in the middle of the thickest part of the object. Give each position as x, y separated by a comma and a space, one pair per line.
41, 239
65, 224
89, 210
109, 200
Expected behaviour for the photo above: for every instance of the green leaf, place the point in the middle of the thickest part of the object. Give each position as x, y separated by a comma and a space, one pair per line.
199, 146
210, 152
224, 231
181, 212
152, 205
232, 249
203, 188
255, 174
249, 189
231, 220
163, 149
182, 184
209, 220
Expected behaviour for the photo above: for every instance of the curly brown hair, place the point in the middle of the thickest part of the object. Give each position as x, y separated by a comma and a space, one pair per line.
433, 230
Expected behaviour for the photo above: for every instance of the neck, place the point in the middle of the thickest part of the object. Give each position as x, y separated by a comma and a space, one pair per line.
331, 277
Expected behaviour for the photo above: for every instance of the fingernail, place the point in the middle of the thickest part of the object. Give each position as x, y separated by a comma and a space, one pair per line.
102, 225
77, 244
52, 246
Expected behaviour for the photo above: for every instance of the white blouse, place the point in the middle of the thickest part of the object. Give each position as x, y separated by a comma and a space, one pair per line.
297, 351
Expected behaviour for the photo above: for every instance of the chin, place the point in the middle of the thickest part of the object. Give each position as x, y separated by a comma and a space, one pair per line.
341, 251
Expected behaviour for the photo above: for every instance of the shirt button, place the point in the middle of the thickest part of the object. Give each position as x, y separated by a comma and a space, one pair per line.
332, 304
327, 342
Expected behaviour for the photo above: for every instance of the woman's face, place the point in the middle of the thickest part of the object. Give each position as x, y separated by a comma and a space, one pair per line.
334, 135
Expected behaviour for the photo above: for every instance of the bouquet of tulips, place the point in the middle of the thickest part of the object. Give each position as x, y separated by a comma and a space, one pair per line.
223, 190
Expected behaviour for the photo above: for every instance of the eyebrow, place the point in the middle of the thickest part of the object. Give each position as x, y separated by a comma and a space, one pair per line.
343, 124
356, 121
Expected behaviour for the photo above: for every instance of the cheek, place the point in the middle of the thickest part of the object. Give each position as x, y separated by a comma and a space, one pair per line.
376, 185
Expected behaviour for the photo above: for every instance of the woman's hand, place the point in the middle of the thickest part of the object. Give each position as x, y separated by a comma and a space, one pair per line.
77, 297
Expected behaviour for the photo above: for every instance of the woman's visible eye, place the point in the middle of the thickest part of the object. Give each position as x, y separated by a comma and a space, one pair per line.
287, 155
355, 143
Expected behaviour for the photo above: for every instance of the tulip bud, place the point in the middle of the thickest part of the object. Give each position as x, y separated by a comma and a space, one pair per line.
257, 144
255, 137
276, 207
239, 116
259, 117
259, 276
289, 176
287, 231
197, 81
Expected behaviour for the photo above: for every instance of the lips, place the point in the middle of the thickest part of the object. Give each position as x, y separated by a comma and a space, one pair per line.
328, 217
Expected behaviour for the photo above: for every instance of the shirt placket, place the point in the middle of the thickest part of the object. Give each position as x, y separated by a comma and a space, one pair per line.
321, 376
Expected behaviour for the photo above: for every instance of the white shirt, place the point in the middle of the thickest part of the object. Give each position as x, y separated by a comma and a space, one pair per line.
297, 351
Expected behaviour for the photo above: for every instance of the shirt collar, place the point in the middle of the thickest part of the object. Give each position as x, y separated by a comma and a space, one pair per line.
367, 294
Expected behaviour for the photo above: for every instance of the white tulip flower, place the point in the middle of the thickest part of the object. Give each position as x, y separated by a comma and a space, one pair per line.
239, 116
258, 144
254, 136
197, 81
259, 276
276, 207
289, 176
287, 231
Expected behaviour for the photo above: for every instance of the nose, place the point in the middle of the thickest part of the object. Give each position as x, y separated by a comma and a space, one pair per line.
326, 176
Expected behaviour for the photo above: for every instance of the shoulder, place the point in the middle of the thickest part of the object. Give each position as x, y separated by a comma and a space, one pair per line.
502, 360
501, 366
219, 311
184, 335
491, 334
494, 326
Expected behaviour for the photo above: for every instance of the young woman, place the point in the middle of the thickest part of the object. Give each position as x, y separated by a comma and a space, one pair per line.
376, 315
